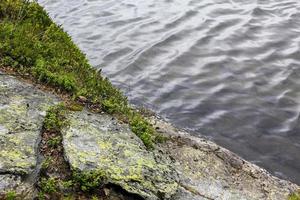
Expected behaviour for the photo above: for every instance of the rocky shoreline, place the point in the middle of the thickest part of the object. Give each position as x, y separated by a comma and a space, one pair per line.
181, 168
213, 172
67, 133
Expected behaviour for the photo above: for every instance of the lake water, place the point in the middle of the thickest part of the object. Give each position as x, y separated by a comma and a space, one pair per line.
227, 70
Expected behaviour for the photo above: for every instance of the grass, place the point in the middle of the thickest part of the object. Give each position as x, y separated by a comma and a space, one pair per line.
90, 180
11, 195
51, 149
33, 46
55, 119
295, 196
48, 185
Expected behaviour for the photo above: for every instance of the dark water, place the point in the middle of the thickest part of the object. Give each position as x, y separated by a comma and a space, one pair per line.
225, 69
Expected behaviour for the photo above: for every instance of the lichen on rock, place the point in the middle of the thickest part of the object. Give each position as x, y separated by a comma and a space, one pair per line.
22, 108
97, 142
208, 171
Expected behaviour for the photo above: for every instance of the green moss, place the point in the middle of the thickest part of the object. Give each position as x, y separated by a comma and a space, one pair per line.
294, 196
48, 185
90, 180
41, 196
67, 184
75, 107
68, 197
161, 139
46, 163
54, 142
32, 44
94, 198
142, 129
11, 195
55, 120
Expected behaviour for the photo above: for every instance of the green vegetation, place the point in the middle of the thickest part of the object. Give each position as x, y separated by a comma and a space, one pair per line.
11, 195
46, 163
89, 181
55, 141
52, 151
54, 121
33, 46
73, 106
295, 196
66, 181
48, 185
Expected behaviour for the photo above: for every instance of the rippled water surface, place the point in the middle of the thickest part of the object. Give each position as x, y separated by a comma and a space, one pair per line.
226, 69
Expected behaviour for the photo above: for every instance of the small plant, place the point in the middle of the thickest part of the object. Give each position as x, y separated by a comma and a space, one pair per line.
48, 185
41, 196
54, 142
46, 163
95, 198
55, 118
69, 197
294, 196
161, 139
75, 107
11, 195
67, 184
89, 181
142, 129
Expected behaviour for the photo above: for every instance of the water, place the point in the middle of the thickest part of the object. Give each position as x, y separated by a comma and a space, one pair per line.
228, 70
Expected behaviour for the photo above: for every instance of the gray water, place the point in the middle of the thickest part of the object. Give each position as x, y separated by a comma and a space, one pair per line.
228, 70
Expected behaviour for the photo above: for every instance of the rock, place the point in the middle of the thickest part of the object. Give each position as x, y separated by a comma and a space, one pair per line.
97, 142
22, 109
82, 99
9, 182
208, 171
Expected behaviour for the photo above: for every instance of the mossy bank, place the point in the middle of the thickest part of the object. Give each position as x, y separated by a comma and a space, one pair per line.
35, 48
32, 45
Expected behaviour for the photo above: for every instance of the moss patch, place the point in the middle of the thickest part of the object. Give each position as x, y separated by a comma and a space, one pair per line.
54, 169
90, 180
11, 195
294, 196
55, 118
32, 45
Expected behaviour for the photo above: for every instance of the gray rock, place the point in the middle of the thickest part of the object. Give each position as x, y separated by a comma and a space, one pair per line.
97, 142
208, 171
10, 182
22, 109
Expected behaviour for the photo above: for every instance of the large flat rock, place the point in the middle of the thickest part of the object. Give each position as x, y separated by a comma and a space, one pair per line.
22, 110
98, 142
208, 171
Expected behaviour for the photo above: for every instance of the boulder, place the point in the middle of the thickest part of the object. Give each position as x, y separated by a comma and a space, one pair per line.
208, 171
22, 111
98, 142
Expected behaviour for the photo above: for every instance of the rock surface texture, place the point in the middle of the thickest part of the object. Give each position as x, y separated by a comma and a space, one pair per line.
208, 171
98, 142
183, 168
22, 111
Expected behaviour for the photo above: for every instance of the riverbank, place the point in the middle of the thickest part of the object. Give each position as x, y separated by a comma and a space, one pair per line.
66, 132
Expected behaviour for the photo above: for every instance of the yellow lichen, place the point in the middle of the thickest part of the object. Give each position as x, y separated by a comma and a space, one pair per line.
104, 145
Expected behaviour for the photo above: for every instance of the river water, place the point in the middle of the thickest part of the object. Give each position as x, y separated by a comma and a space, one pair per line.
228, 70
